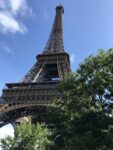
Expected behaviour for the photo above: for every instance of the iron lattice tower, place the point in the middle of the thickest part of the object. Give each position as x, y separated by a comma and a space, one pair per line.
35, 93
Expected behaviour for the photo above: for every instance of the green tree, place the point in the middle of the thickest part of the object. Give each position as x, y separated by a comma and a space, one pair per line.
28, 137
82, 119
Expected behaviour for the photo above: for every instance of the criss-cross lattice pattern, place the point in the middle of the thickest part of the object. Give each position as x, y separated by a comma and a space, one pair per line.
55, 41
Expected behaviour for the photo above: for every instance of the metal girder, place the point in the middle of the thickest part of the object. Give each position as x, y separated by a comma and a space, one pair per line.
35, 93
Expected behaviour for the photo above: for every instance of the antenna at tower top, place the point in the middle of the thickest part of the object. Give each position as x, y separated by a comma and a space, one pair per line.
55, 42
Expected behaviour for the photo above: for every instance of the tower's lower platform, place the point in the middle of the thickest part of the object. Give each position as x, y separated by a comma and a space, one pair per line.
27, 99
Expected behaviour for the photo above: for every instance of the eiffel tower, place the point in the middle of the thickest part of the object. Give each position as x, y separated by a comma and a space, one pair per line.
34, 95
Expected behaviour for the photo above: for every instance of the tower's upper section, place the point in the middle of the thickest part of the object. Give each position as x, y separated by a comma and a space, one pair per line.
55, 42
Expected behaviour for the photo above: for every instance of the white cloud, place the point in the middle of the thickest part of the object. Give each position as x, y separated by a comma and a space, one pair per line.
10, 24
6, 130
72, 58
9, 12
20, 6
16, 5
6, 48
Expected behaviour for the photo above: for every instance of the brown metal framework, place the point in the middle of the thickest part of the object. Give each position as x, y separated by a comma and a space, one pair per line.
35, 93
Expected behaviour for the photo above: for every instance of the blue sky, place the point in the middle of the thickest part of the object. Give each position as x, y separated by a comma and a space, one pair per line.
25, 26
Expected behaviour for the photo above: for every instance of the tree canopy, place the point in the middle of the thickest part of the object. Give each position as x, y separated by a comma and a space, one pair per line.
28, 137
82, 118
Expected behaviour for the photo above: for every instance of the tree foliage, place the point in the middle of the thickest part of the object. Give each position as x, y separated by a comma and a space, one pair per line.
28, 137
82, 119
